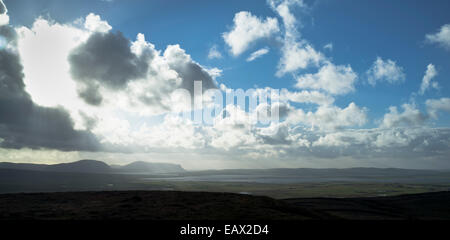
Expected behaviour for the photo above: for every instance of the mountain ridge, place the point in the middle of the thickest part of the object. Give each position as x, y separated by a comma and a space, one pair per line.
95, 166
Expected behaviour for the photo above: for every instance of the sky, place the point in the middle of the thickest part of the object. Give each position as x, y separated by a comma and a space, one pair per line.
358, 83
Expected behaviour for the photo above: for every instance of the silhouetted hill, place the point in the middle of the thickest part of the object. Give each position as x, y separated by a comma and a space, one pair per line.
23, 166
93, 166
148, 167
87, 166
154, 205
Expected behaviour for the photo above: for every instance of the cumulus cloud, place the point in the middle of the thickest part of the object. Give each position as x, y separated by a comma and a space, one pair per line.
187, 69
104, 68
105, 59
328, 117
410, 117
247, 29
282, 8
434, 106
95, 24
173, 132
297, 53
427, 79
214, 53
257, 54
387, 71
332, 117
44, 49
89, 68
336, 80
442, 37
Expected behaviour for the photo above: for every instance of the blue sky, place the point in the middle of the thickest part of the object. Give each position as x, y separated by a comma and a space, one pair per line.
357, 33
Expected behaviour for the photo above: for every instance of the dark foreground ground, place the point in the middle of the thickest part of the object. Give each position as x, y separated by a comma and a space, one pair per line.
165, 205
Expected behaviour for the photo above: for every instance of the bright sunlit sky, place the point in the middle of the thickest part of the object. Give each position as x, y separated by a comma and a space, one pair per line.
367, 81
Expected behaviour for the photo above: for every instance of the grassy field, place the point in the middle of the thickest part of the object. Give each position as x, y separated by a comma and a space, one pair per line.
283, 191
19, 181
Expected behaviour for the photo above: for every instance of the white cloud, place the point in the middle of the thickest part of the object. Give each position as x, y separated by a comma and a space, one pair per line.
343, 139
214, 53
410, 117
328, 46
153, 94
333, 79
233, 131
388, 71
436, 105
298, 55
173, 132
257, 54
44, 49
384, 141
4, 19
247, 29
95, 24
283, 10
427, 79
442, 37
391, 138
330, 117
307, 97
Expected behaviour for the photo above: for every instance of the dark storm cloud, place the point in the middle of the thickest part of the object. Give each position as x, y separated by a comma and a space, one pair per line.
190, 72
11, 84
90, 93
24, 124
105, 59
9, 34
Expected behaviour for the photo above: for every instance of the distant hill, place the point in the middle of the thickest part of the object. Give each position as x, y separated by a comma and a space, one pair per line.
23, 166
83, 166
93, 166
148, 167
